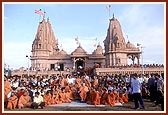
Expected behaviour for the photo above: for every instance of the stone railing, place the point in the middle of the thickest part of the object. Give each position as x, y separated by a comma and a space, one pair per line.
31, 73
110, 71
98, 71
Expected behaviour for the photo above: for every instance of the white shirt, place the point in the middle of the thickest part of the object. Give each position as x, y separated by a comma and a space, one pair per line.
38, 99
136, 85
141, 79
15, 84
70, 80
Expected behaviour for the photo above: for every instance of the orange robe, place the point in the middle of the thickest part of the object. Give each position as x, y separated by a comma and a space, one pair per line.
95, 83
7, 89
116, 96
123, 98
67, 88
62, 97
47, 99
73, 92
96, 99
58, 99
67, 97
90, 98
103, 99
62, 83
65, 81
83, 92
12, 102
24, 101
111, 99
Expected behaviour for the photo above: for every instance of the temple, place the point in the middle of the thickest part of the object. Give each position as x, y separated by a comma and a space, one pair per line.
117, 51
47, 56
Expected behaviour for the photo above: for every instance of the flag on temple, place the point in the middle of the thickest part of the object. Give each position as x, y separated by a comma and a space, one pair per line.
39, 12
108, 7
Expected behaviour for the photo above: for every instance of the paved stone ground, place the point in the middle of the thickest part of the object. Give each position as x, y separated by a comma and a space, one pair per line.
76, 106
79, 104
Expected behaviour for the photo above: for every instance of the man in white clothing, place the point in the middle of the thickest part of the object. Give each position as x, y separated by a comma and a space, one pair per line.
38, 101
136, 90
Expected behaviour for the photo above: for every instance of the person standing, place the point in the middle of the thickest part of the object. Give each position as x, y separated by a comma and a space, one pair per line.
151, 82
136, 90
160, 91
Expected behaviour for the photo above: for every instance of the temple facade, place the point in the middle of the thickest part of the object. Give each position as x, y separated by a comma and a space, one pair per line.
117, 51
47, 56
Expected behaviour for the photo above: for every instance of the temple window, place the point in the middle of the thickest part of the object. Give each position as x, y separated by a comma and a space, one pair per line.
61, 65
39, 46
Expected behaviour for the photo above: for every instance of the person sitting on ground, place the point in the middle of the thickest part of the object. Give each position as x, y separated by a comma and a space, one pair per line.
7, 90
111, 98
123, 97
47, 98
12, 101
38, 101
24, 100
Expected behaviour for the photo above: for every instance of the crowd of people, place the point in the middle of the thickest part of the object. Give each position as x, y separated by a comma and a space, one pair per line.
40, 91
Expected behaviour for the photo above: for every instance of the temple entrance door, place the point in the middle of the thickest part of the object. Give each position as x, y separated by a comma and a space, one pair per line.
52, 66
79, 64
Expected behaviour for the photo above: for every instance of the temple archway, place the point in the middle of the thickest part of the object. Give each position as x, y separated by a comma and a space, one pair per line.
80, 63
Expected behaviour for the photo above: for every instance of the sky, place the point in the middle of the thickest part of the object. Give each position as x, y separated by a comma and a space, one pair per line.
142, 23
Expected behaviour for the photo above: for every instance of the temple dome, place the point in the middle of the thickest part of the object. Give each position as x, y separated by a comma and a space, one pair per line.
99, 50
79, 50
62, 52
130, 45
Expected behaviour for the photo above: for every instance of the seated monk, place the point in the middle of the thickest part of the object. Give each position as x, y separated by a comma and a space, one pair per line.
67, 88
96, 99
103, 99
67, 97
57, 98
116, 96
12, 101
24, 100
74, 92
90, 97
123, 97
83, 92
111, 98
47, 98
7, 89
61, 96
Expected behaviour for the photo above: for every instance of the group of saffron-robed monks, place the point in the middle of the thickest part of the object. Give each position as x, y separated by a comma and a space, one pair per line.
61, 91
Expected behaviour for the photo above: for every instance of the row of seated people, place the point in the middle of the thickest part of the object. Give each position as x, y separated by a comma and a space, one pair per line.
90, 95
